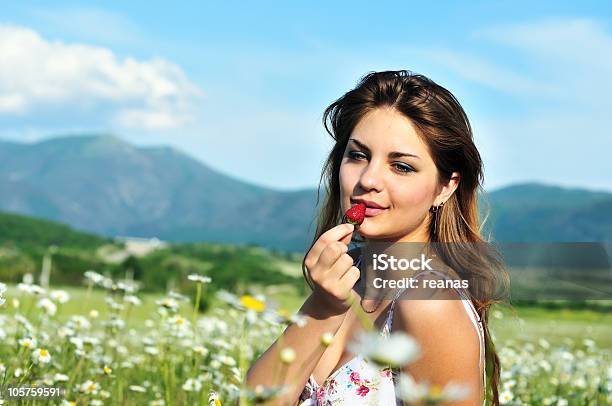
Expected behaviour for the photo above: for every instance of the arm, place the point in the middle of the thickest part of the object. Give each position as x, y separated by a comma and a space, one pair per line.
449, 343
306, 343
333, 274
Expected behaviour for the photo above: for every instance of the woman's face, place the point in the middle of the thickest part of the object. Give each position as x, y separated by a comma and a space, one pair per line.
404, 185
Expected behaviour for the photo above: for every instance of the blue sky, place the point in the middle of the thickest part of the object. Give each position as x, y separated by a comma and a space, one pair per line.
242, 88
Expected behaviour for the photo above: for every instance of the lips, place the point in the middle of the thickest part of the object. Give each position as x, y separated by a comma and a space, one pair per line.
372, 208
368, 203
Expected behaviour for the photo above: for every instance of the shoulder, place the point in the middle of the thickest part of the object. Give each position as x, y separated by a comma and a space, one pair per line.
435, 299
449, 344
437, 318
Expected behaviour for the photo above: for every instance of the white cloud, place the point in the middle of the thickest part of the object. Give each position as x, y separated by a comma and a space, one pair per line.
37, 75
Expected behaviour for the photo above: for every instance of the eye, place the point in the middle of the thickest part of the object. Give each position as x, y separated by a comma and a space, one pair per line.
403, 168
355, 154
400, 167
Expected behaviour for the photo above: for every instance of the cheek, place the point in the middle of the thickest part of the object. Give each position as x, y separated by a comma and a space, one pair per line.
416, 197
345, 187
347, 179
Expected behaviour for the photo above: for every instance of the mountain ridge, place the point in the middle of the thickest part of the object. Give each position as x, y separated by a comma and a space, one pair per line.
105, 185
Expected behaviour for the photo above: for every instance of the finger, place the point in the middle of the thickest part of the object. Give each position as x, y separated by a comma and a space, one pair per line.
331, 254
341, 266
332, 235
350, 278
347, 239
346, 285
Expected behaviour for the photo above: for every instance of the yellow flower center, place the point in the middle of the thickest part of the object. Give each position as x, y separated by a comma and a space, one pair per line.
253, 304
44, 353
435, 391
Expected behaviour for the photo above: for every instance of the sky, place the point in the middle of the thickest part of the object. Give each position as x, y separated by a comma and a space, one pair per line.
242, 88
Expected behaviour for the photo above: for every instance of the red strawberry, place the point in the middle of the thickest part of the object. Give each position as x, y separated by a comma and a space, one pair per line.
355, 215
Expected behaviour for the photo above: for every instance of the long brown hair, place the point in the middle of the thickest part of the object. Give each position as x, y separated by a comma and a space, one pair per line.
443, 125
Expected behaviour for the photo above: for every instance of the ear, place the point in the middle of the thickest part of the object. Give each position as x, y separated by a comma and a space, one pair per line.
447, 189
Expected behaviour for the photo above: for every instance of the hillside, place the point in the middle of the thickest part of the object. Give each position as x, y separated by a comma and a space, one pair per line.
104, 185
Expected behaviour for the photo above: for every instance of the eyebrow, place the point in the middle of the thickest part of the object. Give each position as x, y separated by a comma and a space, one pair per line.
393, 154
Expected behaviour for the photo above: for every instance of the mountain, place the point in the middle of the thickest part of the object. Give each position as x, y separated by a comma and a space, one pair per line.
533, 212
104, 185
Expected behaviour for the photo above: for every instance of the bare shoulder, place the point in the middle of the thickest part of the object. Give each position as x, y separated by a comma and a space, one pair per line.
434, 300
444, 311
448, 340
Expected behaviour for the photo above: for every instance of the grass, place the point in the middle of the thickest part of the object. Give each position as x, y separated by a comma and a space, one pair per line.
554, 325
81, 303
157, 358
532, 323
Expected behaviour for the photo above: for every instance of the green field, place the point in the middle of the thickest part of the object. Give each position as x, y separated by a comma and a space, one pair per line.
528, 323
157, 356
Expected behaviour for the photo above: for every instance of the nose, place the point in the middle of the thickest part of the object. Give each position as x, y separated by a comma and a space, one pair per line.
371, 178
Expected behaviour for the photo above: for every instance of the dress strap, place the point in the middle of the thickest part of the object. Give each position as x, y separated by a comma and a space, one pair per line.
476, 321
389, 319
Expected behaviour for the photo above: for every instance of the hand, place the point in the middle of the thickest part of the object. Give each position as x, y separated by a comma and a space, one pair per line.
331, 270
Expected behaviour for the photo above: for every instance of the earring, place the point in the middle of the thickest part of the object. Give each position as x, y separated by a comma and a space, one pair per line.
435, 210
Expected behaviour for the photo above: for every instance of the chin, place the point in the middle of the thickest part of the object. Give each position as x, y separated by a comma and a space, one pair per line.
365, 231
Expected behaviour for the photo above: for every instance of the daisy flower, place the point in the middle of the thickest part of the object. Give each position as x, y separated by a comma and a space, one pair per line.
198, 349
90, 387
60, 377
2, 291
395, 351
506, 397
133, 300
192, 385
178, 321
60, 296
168, 303
253, 303
287, 355
199, 278
213, 399
49, 307
41, 355
28, 342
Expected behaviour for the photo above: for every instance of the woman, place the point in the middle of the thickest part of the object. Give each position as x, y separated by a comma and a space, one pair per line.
404, 146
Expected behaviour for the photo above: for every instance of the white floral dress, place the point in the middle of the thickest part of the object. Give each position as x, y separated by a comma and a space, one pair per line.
357, 382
